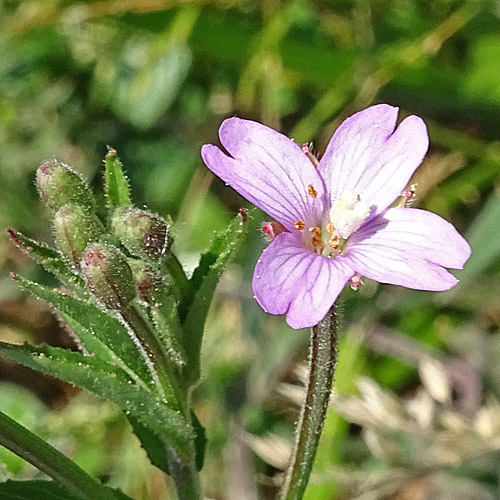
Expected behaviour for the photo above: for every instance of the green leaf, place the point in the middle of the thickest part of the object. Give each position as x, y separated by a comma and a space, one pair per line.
109, 382
484, 240
49, 258
166, 321
99, 333
157, 450
201, 288
44, 490
200, 441
117, 188
34, 490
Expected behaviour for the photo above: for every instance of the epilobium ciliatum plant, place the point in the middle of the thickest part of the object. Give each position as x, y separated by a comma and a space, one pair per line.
333, 225
139, 319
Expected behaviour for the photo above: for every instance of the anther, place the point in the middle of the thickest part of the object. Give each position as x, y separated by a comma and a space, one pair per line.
311, 191
316, 236
333, 242
299, 225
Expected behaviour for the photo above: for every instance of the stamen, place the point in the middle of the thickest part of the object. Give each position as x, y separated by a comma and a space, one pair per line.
311, 191
330, 228
316, 237
334, 243
299, 225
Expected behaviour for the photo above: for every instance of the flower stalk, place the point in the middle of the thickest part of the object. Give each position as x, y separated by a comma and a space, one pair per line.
322, 363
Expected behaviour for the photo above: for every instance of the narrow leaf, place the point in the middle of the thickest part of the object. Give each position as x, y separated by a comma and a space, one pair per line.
45, 490
484, 240
202, 287
34, 490
116, 184
157, 450
49, 460
49, 258
87, 321
109, 382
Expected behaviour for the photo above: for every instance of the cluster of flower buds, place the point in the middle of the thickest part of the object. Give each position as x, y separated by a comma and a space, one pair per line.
115, 276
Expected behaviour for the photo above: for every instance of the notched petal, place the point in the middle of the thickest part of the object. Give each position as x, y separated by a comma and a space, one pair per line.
268, 169
291, 279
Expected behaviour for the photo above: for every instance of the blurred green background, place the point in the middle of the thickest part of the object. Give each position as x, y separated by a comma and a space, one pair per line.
416, 412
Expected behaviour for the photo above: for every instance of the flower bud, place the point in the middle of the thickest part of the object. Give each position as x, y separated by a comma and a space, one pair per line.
147, 280
58, 184
144, 234
108, 275
74, 229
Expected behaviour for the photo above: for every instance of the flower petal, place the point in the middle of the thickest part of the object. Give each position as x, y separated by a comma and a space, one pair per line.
268, 169
408, 247
291, 279
366, 154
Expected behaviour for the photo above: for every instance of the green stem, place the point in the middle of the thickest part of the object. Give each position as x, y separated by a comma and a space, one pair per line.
174, 268
182, 469
322, 360
45, 457
185, 476
161, 365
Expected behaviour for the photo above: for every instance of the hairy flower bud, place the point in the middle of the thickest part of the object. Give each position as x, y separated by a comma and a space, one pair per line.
147, 279
144, 234
58, 184
108, 275
74, 229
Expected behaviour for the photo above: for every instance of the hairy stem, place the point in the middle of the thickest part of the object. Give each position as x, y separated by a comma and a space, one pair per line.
322, 361
46, 458
182, 469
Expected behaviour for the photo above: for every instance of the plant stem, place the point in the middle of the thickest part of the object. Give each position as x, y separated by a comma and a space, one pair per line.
45, 457
185, 476
171, 266
322, 360
182, 469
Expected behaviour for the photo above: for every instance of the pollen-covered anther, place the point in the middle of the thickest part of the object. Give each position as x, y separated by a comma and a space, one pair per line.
311, 191
299, 225
316, 237
334, 242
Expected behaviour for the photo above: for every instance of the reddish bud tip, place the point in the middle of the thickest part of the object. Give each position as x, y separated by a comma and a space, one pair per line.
243, 214
91, 256
14, 238
111, 152
356, 282
14, 276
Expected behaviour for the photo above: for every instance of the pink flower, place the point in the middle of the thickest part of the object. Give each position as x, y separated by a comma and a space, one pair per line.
335, 219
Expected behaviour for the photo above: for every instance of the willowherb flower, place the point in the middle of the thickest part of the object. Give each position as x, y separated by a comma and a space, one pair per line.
333, 221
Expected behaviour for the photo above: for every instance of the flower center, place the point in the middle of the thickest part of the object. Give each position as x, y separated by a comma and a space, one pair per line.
346, 216
348, 213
